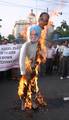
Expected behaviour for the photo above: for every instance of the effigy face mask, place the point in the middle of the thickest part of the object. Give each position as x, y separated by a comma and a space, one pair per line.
34, 37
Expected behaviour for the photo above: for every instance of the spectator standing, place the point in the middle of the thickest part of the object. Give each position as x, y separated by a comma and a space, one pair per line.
65, 61
49, 58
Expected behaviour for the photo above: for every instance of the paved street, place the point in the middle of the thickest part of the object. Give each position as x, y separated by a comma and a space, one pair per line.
51, 87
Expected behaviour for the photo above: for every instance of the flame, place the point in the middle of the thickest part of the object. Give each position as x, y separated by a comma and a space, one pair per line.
28, 65
43, 44
40, 100
22, 84
28, 102
57, 11
24, 32
37, 89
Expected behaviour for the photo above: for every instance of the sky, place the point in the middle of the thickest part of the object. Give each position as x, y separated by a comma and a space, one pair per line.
12, 11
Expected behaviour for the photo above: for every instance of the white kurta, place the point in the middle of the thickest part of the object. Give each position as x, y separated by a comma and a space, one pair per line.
28, 50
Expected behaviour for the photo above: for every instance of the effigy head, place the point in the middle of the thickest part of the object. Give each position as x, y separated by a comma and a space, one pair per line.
34, 33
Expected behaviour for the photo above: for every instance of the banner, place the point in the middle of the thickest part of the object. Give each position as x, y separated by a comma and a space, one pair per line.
9, 56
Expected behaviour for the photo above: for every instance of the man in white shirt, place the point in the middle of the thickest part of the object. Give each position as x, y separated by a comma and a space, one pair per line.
65, 61
49, 58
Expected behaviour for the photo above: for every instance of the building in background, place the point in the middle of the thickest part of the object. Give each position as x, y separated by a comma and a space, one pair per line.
20, 26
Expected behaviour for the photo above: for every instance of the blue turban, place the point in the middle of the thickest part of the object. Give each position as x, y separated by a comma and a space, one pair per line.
36, 28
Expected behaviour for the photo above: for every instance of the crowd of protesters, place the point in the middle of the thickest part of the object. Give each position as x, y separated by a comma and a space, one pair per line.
13, 73
57, 59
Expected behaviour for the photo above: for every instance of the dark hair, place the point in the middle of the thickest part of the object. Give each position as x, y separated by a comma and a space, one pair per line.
44, 13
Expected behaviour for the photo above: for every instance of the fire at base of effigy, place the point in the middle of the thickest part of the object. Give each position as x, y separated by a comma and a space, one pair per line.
30, 94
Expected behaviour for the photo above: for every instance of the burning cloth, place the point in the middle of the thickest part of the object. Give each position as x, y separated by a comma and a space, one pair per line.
31, 56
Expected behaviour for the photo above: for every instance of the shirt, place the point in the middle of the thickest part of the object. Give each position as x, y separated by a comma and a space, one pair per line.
66, 51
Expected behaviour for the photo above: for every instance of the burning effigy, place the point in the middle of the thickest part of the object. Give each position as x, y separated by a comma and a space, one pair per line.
32, 55
28, 89
30, 59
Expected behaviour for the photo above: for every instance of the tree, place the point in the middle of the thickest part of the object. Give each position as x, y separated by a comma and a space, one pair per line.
11, 37
63, 29
64, 25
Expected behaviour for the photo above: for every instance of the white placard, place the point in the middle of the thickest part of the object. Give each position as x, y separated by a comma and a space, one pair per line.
9, 56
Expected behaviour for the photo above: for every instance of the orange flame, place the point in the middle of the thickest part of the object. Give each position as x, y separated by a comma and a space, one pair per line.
43, 44
28, 65
22, 84
56, 12
24, 32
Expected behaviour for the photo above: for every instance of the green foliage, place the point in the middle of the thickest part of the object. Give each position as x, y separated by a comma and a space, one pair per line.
63, 30
11, 37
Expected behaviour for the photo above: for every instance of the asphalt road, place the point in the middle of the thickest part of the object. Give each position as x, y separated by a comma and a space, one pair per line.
51, 87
